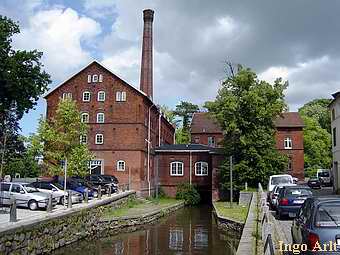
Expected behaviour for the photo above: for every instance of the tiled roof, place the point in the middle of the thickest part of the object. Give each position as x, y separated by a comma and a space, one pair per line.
289, 119
186, 148
203, 122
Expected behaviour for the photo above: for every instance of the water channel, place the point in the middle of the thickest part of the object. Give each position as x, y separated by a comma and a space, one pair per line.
187, 231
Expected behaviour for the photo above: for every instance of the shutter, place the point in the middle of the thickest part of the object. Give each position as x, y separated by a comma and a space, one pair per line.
100, 78
89, 78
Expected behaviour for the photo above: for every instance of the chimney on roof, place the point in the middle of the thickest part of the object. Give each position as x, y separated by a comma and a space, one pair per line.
146, 75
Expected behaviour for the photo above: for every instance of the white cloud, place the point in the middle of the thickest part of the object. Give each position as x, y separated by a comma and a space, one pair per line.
62, 35
100, 9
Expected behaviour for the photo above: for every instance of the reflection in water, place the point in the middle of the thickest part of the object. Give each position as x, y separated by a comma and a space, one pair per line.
187, 231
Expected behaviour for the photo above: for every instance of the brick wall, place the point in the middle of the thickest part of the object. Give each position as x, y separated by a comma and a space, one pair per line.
202, 138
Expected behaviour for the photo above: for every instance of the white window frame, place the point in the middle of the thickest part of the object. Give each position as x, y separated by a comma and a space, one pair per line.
119, 168
96, 139
213, 141
82, 140
123, 97
96, 162
199, 168
98, 116
288, 143
98, 96
100, 78
89, 78
67, 95
176, 163
95, 78
118, 96
86, 93
82, 116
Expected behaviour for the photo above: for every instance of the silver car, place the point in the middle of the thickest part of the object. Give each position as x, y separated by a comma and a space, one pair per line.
26, 196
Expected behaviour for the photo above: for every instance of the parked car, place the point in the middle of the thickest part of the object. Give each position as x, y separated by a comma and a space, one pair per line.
78, 186
318, 220
324, 176
279, 179
57, 191
98, 180
314, 183
110, 178
25, 195
291, 198
275, 194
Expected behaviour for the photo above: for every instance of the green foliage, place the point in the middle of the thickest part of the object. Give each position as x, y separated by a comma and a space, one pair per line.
169, 114
318, 110
185, 110
61, 140
245, 108
182, 136
188, 193
24, 165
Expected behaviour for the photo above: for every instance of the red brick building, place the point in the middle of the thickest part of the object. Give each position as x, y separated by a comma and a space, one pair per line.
289, 140
124, 123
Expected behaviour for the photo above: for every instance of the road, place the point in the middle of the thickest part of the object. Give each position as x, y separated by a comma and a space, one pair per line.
285, 224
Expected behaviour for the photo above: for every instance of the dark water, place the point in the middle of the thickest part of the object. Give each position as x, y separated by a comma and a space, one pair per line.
187, 231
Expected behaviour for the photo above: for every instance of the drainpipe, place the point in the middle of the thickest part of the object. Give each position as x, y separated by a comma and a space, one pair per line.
148, 141
159, 128
190, 158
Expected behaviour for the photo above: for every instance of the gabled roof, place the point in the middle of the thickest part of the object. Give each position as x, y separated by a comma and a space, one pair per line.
203, 122
335, 97
289, 119
102, 66
192, 147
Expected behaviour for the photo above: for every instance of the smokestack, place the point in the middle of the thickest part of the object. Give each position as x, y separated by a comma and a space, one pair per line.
146, 76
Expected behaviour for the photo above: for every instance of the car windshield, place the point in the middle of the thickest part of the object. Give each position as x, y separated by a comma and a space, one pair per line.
30, 188
298, 192
328, 215
324, 174
281, 179
59, 186
107, 178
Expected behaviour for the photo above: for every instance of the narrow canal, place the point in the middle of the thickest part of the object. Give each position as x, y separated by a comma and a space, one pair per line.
187, 231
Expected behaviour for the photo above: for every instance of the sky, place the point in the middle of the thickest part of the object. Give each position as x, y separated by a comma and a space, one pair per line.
296, 40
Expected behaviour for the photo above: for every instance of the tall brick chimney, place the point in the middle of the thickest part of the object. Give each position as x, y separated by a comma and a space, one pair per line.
146, 75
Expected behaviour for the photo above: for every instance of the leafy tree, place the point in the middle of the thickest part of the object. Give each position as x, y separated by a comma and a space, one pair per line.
182, 136
188, 193
61, 139
317, 135
245, 108
169, 114
318, 110
22, 81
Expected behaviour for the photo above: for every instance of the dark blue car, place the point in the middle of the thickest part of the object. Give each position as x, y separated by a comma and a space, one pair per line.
317, 224
79, 187
291, 198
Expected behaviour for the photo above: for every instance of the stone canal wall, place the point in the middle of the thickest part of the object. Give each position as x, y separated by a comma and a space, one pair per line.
227, 224
57, 229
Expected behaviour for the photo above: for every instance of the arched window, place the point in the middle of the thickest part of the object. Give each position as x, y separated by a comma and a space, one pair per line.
95, 78
100, 117
176, 168
101, 96
201, 168
85, 117
120, 165
86, 96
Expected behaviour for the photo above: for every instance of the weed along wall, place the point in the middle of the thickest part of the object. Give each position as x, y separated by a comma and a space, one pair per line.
58, 229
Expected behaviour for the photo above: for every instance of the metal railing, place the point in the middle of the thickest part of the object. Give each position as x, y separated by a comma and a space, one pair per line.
266, 224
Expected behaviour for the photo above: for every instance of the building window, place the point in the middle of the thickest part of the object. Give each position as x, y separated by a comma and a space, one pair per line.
197, 140
333, 114
83, 139
85, 117
67, 96
89, 78
288, 143
211, 141
176, 168
100, 117
100, 78
120, 165
99, 139
86, 96
96, 166
201, 168
120, 96
334, 137
101, 96
94, 78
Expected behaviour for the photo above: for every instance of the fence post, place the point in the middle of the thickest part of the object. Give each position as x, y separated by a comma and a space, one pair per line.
109, 191
86, 195
99, 192
13, 210
49, 203
69, 199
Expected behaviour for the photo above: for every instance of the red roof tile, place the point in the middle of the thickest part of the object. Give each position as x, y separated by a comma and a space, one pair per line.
203, 122
289, 119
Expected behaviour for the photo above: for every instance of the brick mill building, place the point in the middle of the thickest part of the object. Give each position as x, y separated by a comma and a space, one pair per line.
124, 123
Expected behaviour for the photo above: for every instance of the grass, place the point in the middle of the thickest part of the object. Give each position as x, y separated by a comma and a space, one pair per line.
237, 212
139, 206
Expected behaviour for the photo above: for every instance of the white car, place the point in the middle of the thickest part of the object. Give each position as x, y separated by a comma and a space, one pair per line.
275, 193
57, 191
26, 196
279, 179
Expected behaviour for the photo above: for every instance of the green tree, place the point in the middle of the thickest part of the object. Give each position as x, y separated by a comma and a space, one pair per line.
61, 139
245, 108
22, 81
169, 114
318, 110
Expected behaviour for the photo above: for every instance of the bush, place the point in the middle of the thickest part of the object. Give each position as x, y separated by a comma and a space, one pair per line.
188, 193
161, 193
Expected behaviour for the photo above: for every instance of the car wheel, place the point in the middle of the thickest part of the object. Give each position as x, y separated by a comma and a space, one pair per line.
61, 201
32, 205
279, 215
